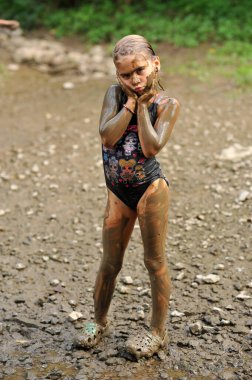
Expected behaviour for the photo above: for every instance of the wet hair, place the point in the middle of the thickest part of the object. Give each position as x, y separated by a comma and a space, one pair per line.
132, 44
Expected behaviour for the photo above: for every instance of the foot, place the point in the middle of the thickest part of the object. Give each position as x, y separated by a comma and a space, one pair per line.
90, 335
145, 344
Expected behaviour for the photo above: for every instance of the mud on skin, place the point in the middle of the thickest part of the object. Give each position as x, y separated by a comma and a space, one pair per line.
54, 163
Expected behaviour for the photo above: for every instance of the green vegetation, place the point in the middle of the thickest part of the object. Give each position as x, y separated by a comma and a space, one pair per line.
223, 24
232, 60
180, 22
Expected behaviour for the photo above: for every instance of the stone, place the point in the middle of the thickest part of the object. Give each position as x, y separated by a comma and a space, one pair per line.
196, 328
20, 266
235, 153
180, 276
176, 313
127, 280
243, 196
68, 85
75, 315
208, 279
123, 289
243, 296
55, 282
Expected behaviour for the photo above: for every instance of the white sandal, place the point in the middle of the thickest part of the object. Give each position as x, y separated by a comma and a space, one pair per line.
90, 335
145, 344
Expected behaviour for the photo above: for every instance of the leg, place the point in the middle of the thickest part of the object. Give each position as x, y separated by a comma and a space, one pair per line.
152, 212
118, 224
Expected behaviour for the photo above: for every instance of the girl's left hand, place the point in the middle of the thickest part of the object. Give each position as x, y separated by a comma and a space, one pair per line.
151, 89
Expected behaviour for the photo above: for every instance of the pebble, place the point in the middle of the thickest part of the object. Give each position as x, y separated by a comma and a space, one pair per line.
243, 196
14, 187
235, 153
176, 313
208, 279
20, 266
141, 314
196, 328
127, 280
243, 296
123, 289
13, 67
85, 187
219, 267
75, 315
179, 266
68, 85
35, 168
55, 282
180, 276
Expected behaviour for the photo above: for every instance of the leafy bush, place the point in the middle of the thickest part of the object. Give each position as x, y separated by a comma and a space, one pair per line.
181, 22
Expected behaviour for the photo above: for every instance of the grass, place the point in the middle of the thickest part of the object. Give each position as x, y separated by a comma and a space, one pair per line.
232, 60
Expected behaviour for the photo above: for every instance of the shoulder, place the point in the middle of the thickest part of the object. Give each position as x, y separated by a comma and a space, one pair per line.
163, 99
114, 91
113, 97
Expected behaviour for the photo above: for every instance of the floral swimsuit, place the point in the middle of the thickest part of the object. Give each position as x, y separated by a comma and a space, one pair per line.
128, 173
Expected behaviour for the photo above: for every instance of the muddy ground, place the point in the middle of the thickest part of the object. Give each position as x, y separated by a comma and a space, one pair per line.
52, 201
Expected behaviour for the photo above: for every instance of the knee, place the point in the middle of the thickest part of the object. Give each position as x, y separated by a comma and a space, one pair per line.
156, 266
109, 269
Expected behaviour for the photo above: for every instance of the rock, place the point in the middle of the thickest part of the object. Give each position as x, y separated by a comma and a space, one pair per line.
196, 328
127, 280
75, 315
68, 85
123, 289
55, 282
14, 187
243, 296
13, 67
235, 153
140, 314
179, 266
72, 303
243, 196
20, 266
180, 276
208, 279
219, 267
176, 313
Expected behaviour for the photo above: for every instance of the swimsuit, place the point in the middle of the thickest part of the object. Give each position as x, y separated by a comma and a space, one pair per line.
128, 173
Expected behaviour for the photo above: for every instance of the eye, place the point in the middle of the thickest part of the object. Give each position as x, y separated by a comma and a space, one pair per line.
125, 76
140, 70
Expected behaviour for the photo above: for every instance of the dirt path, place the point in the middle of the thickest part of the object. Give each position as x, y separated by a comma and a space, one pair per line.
51, 208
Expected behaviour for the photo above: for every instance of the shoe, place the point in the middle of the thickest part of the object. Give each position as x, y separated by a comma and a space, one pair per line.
145, 344
90, 335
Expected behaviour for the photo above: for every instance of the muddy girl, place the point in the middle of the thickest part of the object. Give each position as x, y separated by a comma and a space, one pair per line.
137, 119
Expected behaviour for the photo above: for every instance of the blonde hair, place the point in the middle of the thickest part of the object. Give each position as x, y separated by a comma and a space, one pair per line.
132, 44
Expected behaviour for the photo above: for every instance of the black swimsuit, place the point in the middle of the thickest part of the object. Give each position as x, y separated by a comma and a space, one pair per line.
128, 173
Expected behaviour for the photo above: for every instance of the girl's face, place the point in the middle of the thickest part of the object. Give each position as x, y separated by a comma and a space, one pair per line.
134, 71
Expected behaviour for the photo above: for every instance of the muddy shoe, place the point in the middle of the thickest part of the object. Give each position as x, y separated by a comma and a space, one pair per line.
145, 344
90, 335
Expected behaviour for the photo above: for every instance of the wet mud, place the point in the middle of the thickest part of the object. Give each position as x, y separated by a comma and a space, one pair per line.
52, 202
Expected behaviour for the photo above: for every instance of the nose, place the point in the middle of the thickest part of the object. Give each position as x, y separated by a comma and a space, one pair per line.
135, 78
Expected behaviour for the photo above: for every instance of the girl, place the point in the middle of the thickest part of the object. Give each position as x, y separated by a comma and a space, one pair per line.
136, 122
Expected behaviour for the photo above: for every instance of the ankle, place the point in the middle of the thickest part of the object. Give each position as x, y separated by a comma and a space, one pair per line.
102, 322
158, 331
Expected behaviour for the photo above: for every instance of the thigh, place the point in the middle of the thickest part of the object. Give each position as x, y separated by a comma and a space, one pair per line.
152, 211
118, 224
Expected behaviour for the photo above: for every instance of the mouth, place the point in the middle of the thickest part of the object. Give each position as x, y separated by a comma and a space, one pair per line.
138, 89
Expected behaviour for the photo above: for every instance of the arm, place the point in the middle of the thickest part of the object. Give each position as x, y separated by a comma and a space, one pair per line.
153, 138
113, 123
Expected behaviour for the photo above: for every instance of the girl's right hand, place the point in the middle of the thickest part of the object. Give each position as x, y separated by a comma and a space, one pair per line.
126, 90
